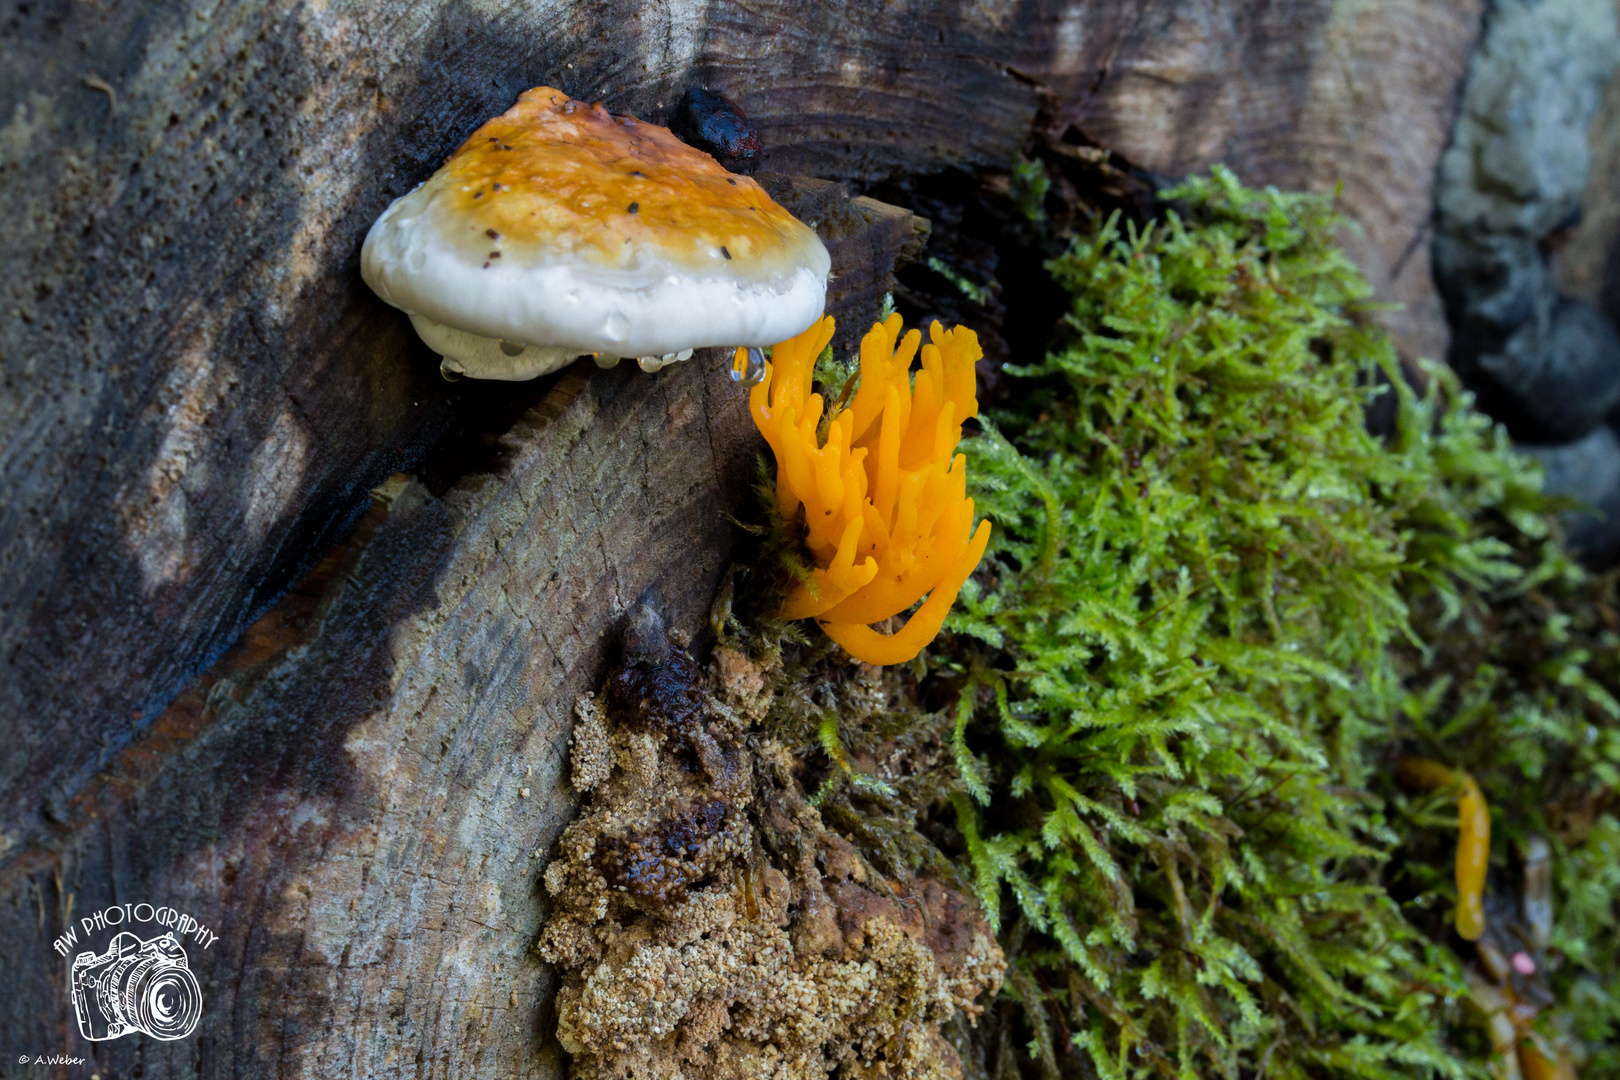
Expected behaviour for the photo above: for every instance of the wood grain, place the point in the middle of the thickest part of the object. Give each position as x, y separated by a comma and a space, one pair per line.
355, 797
198, 391
1305, 95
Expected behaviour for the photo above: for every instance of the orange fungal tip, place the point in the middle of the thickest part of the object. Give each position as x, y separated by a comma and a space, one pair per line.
1473, 837
878, 484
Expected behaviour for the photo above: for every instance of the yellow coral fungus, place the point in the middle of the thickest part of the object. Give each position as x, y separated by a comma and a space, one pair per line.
1473, 838
1539, 1060
884, 498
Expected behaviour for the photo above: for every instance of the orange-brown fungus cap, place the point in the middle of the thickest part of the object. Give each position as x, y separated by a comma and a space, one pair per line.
560, 226
562, 175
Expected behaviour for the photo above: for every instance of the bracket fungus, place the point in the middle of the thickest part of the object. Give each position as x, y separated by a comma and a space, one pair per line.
884, 502
559, 229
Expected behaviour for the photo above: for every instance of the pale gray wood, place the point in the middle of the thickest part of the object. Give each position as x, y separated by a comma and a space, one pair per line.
1303, 95
355, 798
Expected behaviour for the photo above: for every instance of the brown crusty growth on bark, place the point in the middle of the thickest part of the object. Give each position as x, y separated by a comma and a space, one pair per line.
710, 926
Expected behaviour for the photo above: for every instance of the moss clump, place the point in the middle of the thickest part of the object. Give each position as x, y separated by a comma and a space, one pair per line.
1217, 610
1241, 570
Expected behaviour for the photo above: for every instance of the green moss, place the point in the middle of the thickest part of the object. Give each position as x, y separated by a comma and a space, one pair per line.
1218, 609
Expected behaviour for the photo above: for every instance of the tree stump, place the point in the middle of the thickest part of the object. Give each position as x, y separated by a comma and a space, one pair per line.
290, 625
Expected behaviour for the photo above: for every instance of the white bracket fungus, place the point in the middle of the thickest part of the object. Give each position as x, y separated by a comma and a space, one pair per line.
560, 230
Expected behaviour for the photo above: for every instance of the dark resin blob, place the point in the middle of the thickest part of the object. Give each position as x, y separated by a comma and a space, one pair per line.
714, 125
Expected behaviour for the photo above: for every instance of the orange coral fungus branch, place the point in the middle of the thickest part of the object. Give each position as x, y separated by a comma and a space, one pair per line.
864, 643
1473, 838
884, 498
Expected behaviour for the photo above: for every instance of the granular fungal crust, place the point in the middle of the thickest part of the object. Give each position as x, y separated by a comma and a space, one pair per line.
567, 177
709, 926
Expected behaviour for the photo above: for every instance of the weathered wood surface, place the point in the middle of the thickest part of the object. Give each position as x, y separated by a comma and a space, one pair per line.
354, 799
198, 393
358, 794
1364, 97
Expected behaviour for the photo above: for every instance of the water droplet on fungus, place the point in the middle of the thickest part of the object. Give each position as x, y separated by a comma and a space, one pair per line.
748, 367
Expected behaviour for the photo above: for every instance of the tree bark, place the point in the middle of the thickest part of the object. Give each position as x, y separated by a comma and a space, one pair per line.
355, 798
199, 394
